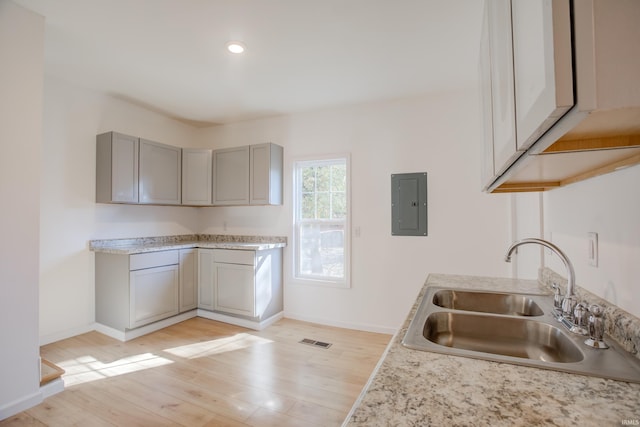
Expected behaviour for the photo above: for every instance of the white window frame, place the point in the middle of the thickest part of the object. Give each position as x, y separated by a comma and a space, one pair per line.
323, 280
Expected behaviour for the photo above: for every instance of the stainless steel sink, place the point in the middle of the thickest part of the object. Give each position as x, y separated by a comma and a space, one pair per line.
487, 302
507, 336
461, 322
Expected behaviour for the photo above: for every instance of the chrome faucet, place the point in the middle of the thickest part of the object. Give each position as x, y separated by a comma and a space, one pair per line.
569, 300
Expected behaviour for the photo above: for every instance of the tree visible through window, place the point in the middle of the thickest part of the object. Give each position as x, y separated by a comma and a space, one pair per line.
321, 214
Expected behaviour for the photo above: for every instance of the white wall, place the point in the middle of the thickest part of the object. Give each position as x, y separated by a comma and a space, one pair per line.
527, 221
610, 206
21, 59
468, 230
69, 215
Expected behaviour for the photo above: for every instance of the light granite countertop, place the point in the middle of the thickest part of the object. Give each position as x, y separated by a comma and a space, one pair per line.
210, 241
419, 388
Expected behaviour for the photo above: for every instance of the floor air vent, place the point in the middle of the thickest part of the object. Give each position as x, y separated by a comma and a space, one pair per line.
315, 343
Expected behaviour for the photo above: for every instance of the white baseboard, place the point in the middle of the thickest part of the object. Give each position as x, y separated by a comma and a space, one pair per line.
249, 324
59, 336
345, 325
51, 388
143, 330
22, 404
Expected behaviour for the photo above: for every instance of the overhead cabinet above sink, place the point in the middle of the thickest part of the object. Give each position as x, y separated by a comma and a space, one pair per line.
561, 93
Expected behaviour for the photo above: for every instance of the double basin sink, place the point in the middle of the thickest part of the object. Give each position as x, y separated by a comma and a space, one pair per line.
513, 328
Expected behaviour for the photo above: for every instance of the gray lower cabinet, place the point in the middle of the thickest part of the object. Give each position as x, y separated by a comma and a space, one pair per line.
240, 282
234, 283
205, 279
116, 168
188, 279
154, 294
135, 290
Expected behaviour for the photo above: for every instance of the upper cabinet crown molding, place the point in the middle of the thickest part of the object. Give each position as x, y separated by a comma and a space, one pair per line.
575, 91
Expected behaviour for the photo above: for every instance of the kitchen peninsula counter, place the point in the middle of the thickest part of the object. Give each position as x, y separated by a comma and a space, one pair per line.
420, 388
205, 241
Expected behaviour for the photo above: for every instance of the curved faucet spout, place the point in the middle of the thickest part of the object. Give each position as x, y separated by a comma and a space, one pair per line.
570, 296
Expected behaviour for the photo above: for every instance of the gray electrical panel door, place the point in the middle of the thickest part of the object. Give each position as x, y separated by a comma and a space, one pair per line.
409, 204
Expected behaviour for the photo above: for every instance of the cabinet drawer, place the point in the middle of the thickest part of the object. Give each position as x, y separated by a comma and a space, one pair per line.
153, 259
234, 256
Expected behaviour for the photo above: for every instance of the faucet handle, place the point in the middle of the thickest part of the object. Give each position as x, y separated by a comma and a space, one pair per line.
557, 298
568, 306
580, 319
596, 327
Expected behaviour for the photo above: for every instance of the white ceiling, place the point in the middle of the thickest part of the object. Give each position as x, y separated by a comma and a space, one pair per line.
169, 55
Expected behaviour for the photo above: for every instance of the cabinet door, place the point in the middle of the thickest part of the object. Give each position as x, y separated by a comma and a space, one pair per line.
234, 289
205, 279
188, 279
116, 168
484, 71
196, 177
542, 66
160, 173
502, 91
265, 178
153, 295
231, 176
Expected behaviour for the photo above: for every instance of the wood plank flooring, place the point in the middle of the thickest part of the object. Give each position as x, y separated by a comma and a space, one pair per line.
206, 373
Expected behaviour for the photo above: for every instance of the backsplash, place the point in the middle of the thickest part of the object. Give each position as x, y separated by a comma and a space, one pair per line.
620, 325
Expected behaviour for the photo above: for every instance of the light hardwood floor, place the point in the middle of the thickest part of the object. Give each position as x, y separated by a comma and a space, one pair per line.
206, 373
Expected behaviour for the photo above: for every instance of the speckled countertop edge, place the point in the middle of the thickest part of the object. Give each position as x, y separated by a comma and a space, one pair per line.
128, 246
418, 388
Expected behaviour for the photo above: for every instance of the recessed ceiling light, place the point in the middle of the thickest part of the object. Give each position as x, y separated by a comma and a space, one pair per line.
236, 47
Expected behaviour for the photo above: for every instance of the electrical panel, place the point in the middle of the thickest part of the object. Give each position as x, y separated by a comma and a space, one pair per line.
409, 204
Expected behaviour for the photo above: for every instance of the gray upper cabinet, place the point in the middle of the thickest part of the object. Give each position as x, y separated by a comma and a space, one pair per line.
138, 171
160, 173
116, 168
265, 177
251, 174
196, 177
231, 176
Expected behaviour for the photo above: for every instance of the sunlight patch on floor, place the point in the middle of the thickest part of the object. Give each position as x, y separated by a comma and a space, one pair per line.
87, 368
217, 346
